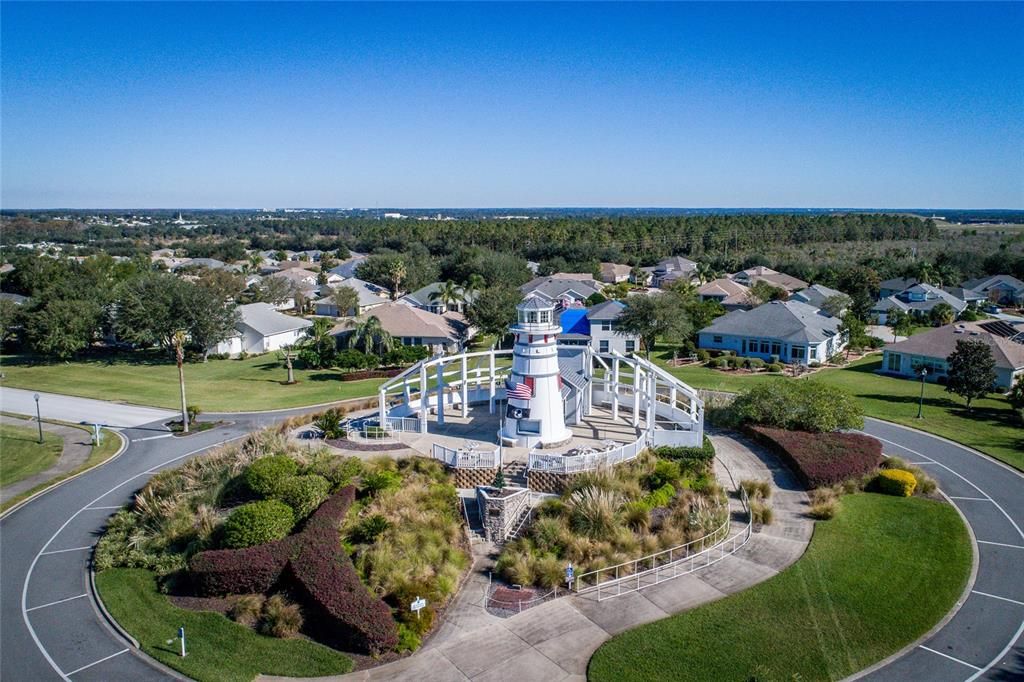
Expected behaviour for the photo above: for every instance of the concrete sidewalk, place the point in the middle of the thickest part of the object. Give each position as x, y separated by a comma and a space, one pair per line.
554, 641
76, 450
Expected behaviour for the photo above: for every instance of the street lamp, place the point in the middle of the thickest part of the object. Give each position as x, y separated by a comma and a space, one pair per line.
920, 404
39, 419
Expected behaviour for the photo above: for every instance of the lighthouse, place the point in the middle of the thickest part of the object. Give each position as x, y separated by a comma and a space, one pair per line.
535, 414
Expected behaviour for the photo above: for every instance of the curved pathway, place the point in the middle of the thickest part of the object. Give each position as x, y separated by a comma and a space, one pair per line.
76, 448
51, 629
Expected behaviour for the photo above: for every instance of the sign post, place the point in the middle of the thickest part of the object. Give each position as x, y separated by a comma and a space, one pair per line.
181, 634
418, 604
96, 434
569, 574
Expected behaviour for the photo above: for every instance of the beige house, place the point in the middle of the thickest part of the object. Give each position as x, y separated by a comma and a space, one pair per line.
613, 273
412, 326
729, 293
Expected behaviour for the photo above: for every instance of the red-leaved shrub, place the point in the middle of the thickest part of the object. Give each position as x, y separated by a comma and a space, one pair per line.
348, 613
823, 459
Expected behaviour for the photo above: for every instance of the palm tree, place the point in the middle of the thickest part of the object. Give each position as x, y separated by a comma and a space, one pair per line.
320, 341
255, 261
473, 286
447, 294
705, 273
345, 298
371, 336
178, 340
396, 275
925, 273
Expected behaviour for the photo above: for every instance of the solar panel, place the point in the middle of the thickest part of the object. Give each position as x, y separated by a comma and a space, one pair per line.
1000, 328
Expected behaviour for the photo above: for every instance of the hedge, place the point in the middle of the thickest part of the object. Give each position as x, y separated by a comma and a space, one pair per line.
898, 482
263, 475
692, 459
257, 523
303, 493
320, 570
822, 459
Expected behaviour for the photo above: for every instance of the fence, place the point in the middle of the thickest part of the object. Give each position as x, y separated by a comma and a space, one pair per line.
587, 461
513, 605
635, 575
464, 458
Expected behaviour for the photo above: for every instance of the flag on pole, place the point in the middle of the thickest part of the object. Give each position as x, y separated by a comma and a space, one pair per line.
517, 391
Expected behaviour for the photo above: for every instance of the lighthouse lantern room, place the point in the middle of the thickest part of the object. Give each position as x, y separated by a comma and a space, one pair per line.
535, 412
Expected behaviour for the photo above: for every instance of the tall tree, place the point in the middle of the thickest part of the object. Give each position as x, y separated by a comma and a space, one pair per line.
972, 370
346, 300
319, 347
370, 336
942, 314
473, 285
396, 277
178, 340
62, 327
900, 322
1016, 396
650, 317
494, 310
855, 331
836, 305
447, 294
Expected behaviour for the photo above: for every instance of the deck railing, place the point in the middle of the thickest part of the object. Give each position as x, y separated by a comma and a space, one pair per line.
467, 458
586, 461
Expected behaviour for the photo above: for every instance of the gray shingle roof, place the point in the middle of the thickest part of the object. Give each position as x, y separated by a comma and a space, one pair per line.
785, 320
983, 283
609, 310
421, 296
262, 318
535, 303
816, 295
941, 342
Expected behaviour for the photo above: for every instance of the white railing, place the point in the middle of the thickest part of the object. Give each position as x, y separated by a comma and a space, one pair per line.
402, 424
635, 575
467, 458
586, 461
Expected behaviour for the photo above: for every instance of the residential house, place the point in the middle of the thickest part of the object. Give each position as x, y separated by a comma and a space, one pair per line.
891, 287
597, 327
1002, 289
304, 279
16, 299
918, 300
209, 263
779, 280
729, 293
613, 273
567, 287
792, 331
424, 298
370, 296
412, 326
347, 267
972, 298
930, 350
671, 269
816, 295
262, 329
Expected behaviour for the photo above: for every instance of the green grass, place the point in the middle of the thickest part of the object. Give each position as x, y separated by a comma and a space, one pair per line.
218, 649
147, 378
874, 579
22, 453
991, 426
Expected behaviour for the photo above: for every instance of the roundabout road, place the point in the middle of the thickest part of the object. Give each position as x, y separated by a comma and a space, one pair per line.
52, 630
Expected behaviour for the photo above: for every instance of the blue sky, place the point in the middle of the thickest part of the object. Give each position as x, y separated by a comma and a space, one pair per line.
745, 105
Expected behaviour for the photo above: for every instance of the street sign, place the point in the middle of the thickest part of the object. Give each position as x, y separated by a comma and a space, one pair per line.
569, 573
418, 604
181, 636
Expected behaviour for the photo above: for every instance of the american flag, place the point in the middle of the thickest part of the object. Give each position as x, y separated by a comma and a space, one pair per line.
517, 391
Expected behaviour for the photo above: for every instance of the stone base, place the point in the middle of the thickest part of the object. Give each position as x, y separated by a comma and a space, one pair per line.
548, 482
471, 478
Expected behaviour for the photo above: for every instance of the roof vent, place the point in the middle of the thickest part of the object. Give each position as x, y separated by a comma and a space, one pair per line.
975, 334
958, 331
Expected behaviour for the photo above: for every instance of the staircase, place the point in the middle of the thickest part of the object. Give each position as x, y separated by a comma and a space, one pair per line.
515, 474
472, 511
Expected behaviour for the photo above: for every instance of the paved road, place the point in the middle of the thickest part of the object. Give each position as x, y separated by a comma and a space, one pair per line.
71, 409
983, 639
51, 630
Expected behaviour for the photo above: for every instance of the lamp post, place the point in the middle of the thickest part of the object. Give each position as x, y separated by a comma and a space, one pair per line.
920, 404
39, 419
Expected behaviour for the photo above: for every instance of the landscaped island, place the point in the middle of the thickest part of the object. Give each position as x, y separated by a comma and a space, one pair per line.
316, 558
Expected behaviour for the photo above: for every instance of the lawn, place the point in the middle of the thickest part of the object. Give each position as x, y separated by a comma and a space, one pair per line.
874, 579
991, 426
23, 455
218, 649
147, 378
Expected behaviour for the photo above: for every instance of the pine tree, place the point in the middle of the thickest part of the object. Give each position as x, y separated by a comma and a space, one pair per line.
499, 479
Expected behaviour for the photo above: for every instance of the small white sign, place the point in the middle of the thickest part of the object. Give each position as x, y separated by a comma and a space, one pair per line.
420, 603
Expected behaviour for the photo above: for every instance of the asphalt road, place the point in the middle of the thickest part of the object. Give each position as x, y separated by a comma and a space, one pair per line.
71, 409
50, 628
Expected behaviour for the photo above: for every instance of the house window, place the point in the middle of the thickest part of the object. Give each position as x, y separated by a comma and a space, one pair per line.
716, 339
776, 348
603, 346
630, 345
765, 347
797, 352
545, 316
606, 325
531, 317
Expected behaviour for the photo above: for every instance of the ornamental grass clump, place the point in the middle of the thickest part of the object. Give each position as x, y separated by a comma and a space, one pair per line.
898, 482
757, 488
245, 609
594, 512
281, 618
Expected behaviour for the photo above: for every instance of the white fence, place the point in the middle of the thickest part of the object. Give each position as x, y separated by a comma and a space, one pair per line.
635, 575
468, 458
586, 461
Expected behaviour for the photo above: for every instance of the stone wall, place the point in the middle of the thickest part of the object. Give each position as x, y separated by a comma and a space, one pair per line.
472, 478
548, 481
501, 511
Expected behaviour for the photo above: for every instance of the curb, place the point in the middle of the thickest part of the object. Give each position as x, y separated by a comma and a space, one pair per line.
40, 493
101, 607
975, 560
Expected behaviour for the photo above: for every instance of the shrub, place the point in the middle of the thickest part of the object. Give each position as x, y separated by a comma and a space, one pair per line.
875, 343
636, 515
822, 459
193, 412
230, 571
265, 473
823, 511
755, 363
799, 406
549, 571
660, 497
665, 471
593, 512
702, 355
370, 528
408, 640
551, 507
381, 480
735, 362
281, 618
757, 488
339, 471
689, 459
330, 423
761, 513
721, 362
257, 523
896, 482
774, 368
926, 485
246, 609
303, 493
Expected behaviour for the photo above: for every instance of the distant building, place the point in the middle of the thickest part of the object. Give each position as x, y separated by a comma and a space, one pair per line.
424, 298
779, 280
672, 269
370, 296
262, 329
614, 273
816, 295
918, 300
412, 326
931, 349
729, 293
891, 287
568, 287
790, 330
1002, 289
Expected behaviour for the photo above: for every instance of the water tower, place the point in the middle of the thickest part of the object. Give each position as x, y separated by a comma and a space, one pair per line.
535, 414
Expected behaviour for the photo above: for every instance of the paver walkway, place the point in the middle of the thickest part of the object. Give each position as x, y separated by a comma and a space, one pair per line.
554, 641
77, 448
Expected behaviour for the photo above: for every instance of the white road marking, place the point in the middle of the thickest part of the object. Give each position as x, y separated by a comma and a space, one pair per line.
139, 440
100, 508
975, 499
61, 551
59, 601
105, 658
999, 544
939, 653
999, 656
996, 596
32, 566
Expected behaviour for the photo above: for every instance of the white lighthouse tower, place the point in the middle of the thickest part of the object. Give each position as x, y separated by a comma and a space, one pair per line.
535, 414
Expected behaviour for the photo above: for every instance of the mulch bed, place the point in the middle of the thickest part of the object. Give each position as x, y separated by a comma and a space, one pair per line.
218, 604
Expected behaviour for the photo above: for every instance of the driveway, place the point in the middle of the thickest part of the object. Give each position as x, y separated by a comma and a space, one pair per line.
80, 410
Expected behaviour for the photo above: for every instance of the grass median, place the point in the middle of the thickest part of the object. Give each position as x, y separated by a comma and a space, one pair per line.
219, 650
23, 454
874, 579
